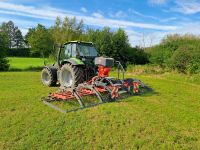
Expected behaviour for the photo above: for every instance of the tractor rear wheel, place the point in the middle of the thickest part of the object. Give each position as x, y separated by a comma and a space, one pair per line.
71, 76
49, 76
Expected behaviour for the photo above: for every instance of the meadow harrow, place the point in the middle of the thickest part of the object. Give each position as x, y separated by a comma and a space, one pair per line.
100, 89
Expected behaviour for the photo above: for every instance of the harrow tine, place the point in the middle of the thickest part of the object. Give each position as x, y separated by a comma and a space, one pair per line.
79, 99
98, 95
54, 106
68, 111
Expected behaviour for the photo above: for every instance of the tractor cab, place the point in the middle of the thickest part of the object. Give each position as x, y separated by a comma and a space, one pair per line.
82, 52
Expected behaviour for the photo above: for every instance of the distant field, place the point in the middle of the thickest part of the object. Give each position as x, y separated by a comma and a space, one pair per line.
21, 63
25, 63
167, 118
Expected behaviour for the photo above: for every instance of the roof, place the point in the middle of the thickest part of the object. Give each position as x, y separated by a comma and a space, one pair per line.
79, 42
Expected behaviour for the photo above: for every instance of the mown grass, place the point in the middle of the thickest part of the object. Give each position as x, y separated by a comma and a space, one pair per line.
167, 118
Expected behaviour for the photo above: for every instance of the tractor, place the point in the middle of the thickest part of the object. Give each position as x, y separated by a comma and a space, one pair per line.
75, 64
82, 73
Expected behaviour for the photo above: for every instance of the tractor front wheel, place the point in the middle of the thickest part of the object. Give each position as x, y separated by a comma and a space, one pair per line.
71, 76
49, 76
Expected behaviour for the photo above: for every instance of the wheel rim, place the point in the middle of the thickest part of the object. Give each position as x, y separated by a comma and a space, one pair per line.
45, 77
67, 78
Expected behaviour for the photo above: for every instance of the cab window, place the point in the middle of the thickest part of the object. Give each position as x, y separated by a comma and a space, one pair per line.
87, 50
73, 50
67, 51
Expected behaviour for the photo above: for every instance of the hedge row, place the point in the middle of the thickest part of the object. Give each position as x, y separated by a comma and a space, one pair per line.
21, 52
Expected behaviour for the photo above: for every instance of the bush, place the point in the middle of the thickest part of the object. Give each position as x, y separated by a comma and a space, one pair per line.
181, 58
160, 55
178, 52
4, 66
187, 59
194, 66
136, 56
3, 45
145, 69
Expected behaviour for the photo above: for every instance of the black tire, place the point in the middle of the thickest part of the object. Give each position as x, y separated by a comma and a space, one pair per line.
49, 76
71, 76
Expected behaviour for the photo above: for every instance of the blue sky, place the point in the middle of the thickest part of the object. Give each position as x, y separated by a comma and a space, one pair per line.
145, 21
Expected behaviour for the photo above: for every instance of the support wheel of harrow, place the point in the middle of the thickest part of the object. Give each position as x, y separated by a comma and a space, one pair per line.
49, 76
71, 76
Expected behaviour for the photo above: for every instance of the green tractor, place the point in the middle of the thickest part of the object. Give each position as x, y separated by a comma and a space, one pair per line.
75, 64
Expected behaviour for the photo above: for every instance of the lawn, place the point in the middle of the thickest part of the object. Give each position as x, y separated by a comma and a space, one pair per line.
22, 63
168, 118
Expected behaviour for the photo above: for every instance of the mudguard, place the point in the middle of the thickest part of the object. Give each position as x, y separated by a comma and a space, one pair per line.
51, 67
74, 61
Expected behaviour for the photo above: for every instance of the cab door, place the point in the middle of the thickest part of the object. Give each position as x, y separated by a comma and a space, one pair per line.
67, 51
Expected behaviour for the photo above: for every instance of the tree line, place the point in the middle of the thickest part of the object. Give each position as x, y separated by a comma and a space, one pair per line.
176, 52
41, 41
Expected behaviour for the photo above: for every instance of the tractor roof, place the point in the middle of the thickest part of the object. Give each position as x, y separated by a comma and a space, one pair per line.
79, 42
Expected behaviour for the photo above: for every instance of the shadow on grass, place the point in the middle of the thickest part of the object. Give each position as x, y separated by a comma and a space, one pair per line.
148, 91
147, 94
25, 69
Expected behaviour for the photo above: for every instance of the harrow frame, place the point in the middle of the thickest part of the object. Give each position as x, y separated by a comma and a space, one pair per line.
96, 86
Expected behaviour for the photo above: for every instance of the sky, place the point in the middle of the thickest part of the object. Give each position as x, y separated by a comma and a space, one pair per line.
146, 22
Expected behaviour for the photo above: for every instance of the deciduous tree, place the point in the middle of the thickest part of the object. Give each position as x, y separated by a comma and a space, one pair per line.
4, 42
40, 41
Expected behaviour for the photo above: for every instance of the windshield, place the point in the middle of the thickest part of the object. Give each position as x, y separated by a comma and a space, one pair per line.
87, 50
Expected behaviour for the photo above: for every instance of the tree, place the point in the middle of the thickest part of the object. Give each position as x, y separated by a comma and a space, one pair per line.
40, 41
14, 35
120, 46
102, 40
19, 40
67, 30
115, 44
28, 34
4, 42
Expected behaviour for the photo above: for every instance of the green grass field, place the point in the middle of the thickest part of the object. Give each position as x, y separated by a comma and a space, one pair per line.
168, 118
21, 63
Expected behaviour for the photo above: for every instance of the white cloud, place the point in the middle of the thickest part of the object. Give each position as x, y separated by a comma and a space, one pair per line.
83, 9
153, 38
187, 7
157, 2
168, 19
44, 12
189, 27
118, 14
140, 14
145, 39
23, 14
97, 15
151, 17
96, 19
